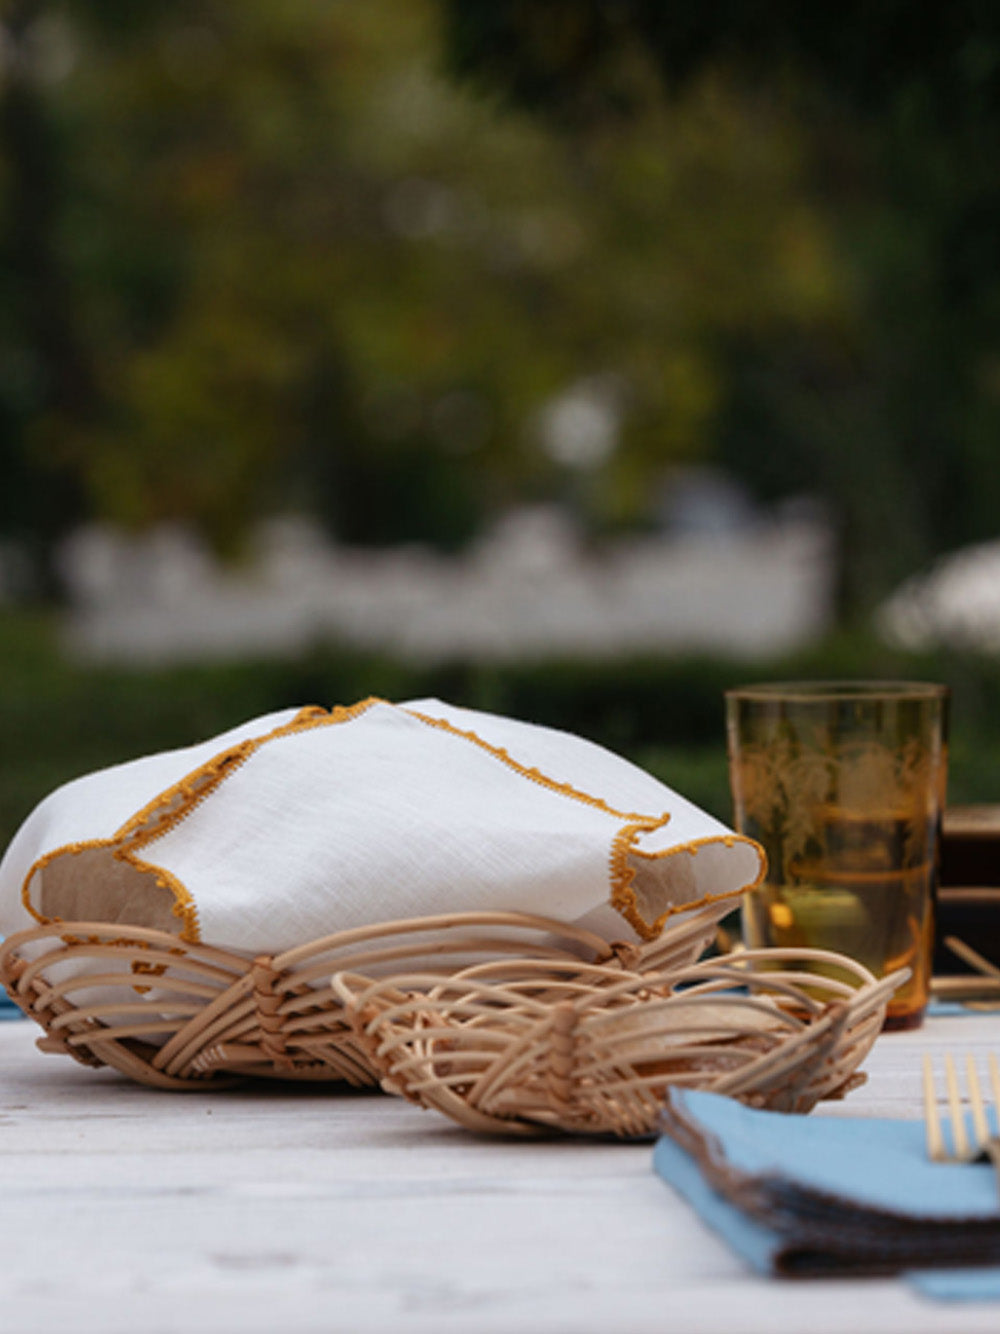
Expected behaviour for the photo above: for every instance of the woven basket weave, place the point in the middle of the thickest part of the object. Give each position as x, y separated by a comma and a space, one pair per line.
504, 1022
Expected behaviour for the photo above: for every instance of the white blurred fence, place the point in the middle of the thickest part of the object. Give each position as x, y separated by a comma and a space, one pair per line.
527, 589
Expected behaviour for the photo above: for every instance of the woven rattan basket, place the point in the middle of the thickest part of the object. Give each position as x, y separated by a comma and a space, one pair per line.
504, 1022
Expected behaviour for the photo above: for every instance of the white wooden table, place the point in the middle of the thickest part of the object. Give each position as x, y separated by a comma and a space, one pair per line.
129, 1211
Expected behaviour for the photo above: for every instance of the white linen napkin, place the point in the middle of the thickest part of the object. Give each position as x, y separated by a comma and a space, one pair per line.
302, 823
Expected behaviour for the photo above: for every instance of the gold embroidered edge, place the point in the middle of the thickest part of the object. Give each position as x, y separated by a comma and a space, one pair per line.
623, 897
193, 788
182, 798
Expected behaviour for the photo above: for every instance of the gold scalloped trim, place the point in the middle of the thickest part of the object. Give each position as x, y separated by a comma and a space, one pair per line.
179, 800
535, 775
623, 897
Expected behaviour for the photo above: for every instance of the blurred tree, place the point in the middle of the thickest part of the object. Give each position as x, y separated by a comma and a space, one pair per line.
894, 412
46, 371
268, 254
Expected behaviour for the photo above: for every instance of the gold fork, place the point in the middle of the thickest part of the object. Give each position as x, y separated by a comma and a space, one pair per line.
984, 1144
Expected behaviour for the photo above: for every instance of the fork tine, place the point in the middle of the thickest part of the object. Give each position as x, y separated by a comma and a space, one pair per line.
932, 1123
986, 1143
979, 1122
960, 1140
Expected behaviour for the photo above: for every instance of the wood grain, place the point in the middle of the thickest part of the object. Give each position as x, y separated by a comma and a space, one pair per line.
124, 1209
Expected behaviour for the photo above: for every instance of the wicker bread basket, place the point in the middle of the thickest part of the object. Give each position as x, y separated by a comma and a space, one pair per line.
504, 1022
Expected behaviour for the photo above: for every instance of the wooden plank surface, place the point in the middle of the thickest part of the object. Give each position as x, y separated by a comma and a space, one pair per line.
129, 1211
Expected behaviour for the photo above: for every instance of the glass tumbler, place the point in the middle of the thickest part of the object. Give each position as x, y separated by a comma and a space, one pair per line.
843, 784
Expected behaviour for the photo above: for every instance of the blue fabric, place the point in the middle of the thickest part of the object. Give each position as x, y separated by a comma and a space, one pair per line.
823, 1195
948, 1009
875, 1162
958, 1285
758, 1245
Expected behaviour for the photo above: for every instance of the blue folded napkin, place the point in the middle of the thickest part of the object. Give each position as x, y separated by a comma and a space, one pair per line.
808, 1196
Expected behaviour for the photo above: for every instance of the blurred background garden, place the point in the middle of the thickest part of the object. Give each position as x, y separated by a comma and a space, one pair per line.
574, 359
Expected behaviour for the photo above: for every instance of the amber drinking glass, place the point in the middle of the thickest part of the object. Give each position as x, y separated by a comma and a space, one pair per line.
843, 784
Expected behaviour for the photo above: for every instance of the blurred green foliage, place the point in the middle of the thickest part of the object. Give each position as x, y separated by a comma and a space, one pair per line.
666, 714
268, 254
278, 255
893, 410
275, 255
